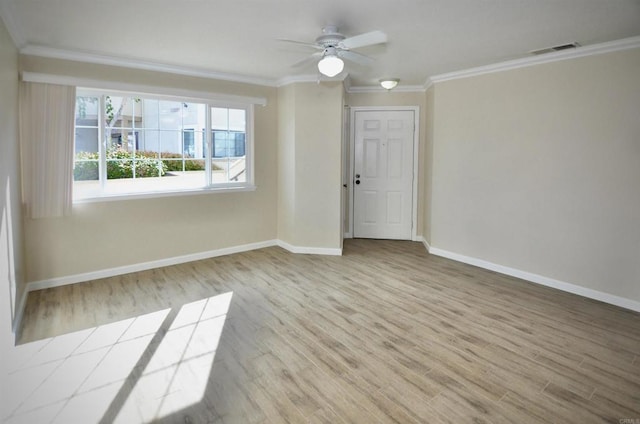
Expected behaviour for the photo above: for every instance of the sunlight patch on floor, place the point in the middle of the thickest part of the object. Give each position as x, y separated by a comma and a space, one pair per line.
134, 370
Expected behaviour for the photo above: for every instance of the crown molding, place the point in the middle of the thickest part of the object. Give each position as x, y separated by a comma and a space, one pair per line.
589, 50
428, 84
197, 95
316, 78
81, 56
379, 89
292, 79
6, 14
8, 17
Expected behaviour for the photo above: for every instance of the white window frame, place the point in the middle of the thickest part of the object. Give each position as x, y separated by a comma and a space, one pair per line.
208, 185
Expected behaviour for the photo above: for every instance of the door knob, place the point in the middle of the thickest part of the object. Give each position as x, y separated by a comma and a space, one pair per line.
357, 175
357, 181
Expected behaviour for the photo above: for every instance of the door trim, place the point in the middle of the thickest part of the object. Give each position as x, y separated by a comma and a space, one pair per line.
416, 144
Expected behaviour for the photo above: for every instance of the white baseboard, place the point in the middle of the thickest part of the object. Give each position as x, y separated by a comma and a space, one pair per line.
310, 250
424, 241
111, 272
538, 279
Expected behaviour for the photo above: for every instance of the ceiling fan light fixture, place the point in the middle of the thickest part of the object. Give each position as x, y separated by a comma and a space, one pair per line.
389, 83
330, 65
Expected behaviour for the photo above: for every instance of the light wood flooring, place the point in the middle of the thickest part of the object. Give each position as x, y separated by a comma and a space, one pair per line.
385, 333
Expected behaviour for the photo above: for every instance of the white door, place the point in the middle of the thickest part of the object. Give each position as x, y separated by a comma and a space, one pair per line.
383, 174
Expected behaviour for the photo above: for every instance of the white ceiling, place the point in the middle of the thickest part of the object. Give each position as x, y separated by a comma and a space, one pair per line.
239, 37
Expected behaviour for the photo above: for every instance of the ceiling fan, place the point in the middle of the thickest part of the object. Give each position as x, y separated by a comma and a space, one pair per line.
333, 47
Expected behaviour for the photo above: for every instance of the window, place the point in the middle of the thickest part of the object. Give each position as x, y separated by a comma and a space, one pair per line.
128, 144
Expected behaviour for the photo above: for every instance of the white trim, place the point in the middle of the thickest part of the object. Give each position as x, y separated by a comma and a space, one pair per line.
416, 145
43, 51
379, 89
140, 88
249, 154
344, 171
292, 79
111, 272
310, 250
428, 84
89, 57
594, 49
315, 78
352, 151
422, 240
538, 279
347, 235
416, 171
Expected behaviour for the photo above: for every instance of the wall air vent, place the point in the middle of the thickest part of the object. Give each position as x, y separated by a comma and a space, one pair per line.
555, 48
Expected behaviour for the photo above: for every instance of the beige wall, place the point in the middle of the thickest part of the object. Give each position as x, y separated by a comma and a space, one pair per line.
538, 169
104, 235
534, 169
309, 163
399, 98
11, 235
286, 163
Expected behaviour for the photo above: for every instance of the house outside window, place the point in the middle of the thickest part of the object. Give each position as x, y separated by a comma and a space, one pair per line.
128, 144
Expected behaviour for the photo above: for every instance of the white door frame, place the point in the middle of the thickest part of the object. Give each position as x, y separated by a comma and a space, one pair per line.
416, 143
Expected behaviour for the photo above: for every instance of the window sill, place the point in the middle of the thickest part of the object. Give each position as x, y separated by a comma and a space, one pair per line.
173, 193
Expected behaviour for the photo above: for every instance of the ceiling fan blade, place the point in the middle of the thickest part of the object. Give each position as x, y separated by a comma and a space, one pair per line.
355, 57
313, 58
366, 39
301, 43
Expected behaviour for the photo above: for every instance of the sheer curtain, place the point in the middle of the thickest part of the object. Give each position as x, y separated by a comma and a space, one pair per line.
46, 141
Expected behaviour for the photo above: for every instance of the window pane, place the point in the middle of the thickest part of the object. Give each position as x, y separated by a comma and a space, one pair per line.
172, 165
87, 111
150, 114
237, 170
148, 166
188, 143
159, 159
228, 141
149, 141
120, 112
86, 167
237, 120
86, 140
86, 164
154, 145
193, 143
119, 163
228, 119
171, 142
171, 115
86, 160
194, 116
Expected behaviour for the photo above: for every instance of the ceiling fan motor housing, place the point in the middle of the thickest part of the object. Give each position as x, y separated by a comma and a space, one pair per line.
330, 37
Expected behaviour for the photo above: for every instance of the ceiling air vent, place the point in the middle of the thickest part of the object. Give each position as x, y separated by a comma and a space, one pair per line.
555, 48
